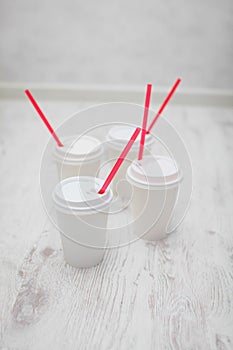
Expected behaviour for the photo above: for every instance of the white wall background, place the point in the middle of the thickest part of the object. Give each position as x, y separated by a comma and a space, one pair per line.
117, 42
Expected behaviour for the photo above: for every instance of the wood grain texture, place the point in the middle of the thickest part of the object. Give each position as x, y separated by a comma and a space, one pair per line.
176, 294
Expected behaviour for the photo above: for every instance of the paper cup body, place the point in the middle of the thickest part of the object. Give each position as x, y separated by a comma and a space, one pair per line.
80, 156
155, 183
82, 216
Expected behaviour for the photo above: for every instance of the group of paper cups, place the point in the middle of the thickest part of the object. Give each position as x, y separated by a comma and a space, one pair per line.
82, 213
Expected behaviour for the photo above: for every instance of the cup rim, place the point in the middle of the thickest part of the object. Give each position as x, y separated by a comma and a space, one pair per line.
65, 157
116, 143
68, 207
153, 185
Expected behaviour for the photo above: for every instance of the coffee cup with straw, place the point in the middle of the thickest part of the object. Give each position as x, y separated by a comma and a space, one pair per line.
82, 206
116, 138
155, 183
74, 155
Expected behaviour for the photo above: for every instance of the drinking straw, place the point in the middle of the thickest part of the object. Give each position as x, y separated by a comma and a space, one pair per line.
146, 110
119, 161
43, 117
164, 105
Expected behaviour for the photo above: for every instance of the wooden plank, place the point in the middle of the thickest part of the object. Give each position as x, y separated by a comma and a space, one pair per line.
176, 294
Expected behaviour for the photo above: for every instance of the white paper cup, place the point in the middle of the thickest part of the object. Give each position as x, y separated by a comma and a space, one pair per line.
155, 182
117, 138
80, 155
82, 216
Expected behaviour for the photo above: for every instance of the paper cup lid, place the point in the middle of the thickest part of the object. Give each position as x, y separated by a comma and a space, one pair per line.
78, 148
81, 193
121, 134
154, 171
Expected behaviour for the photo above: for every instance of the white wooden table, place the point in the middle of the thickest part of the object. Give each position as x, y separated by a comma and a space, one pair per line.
176, 294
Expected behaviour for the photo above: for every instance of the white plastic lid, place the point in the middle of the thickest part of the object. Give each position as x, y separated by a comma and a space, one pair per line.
78, 148
81, 193
120, 134
154, 171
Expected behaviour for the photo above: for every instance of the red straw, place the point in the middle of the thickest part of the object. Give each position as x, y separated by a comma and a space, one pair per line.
146, 110
43, 117
119, 161
164, 105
